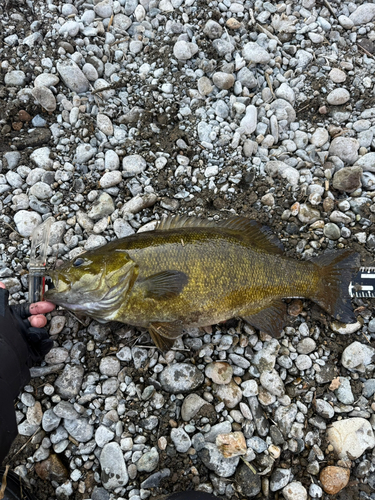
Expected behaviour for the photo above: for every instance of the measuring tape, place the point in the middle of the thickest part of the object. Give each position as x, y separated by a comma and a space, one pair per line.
363, 285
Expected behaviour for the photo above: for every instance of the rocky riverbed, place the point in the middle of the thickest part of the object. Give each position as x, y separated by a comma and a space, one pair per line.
119, 112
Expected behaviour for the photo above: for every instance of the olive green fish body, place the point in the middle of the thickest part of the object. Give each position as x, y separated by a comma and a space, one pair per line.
195, 273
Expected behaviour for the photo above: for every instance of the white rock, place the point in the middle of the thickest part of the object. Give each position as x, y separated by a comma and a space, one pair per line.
84, 153
249, 388
319, 137
45, 98
46, 80
184, 50
346, 148
303, 362
121, 22
337, 75
69, 27
338, 96
90, 72
41, 158
295, 491
110, 179
122, 228
357, 356
133, 165
345, 329
26, 222
104, 9
111, 160
72, 76
255, 54
104, 124
272, 382
114, 472
346, 22
140, 13
250, 120
15, 78
351, 437
180, 439
367, 162
364, 14
286, 92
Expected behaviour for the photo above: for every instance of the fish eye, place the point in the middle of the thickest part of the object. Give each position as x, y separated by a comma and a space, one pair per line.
78, 262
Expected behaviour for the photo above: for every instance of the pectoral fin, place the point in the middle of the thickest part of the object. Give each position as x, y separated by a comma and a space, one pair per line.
164, 285
270, 320
165, 334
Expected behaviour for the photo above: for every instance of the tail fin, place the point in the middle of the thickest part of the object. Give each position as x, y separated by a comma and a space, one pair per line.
336, 272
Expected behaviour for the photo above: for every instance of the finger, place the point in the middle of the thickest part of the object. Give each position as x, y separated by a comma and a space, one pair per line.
2, 285
41, 307
38, 321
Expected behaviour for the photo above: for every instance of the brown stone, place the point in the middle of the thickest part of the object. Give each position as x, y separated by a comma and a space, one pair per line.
232, 444
347, 179
24, 116
328, 204
334, 479
17, 126
295, 307
233, 24
52, 469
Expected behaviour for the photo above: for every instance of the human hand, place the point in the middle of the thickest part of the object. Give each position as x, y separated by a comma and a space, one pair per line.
37, 311
29, 320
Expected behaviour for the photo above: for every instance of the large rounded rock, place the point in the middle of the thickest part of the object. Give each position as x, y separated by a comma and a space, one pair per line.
215, 461
351, 437
26, 222
249, 484
114, 472
334, 479
347, 179
295, 491
357, 356
181, 377
345, 148
72, 76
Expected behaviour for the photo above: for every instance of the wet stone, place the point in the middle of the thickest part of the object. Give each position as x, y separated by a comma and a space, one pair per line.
149, 461
181, 377
191, 406
79, 429
180, 440
351, 437
334, 479
68, 384
215, 461
279, 479
114, 471
248, 483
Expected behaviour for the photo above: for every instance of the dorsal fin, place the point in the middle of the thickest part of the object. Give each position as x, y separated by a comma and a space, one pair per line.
253, 233
249, 231
183, 221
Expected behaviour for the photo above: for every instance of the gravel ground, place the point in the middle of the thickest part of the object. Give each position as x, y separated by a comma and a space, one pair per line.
115, 113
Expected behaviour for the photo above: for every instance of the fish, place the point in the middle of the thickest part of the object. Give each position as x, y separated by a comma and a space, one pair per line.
191, 272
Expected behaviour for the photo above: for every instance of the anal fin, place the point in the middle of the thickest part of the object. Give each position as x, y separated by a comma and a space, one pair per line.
270, 320
165, 334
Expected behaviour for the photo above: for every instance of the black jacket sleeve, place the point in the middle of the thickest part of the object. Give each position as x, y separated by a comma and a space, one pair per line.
16, 357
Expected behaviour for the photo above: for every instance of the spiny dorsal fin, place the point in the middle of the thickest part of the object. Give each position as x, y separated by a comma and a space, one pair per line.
180, 221
249, 231
164, 285
253, 233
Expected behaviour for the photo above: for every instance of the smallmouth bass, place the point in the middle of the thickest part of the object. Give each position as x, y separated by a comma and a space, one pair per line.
190, 272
